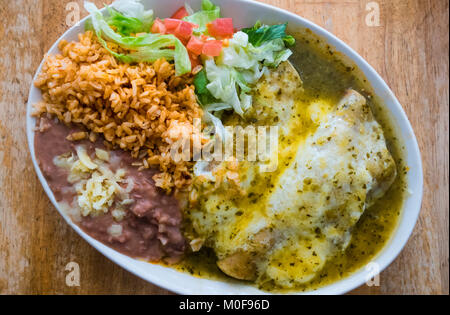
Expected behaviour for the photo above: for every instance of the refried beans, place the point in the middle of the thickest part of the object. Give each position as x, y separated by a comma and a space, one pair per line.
151, 227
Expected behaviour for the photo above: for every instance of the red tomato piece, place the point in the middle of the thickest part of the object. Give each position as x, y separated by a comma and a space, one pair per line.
193, 24
184, 30
212, 48
181, 13
195, 45
171, 24
221, 28
158, 27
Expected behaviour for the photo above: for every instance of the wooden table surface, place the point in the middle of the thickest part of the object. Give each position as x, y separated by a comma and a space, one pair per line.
409, 49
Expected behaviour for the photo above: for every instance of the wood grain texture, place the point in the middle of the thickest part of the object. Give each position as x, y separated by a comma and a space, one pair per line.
409, 49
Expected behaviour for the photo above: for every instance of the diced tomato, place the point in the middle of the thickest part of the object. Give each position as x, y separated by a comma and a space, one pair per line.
158, 27
181, 13
224, 26
171, 24
193, 24
221, 28
195, 46
212, 48
184, 31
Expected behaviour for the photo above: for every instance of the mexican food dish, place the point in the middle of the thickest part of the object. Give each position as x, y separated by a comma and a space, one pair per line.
251, 154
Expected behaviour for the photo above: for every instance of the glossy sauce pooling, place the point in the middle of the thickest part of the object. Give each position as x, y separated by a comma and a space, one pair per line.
325, 76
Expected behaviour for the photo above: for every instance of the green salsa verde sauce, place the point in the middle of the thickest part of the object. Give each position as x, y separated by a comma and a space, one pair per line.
327, 74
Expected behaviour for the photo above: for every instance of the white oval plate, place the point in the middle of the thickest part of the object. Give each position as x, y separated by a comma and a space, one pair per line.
244, 14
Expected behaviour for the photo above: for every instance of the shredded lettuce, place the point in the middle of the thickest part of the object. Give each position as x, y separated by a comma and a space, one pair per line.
129, 16
278, 58
134, 9
223, 85
207, 5
203, 94
146, 48
209, 13
217, 107
124, 25
259, 34
230, 77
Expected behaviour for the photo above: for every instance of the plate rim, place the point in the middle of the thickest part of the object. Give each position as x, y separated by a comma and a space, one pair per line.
352, 281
